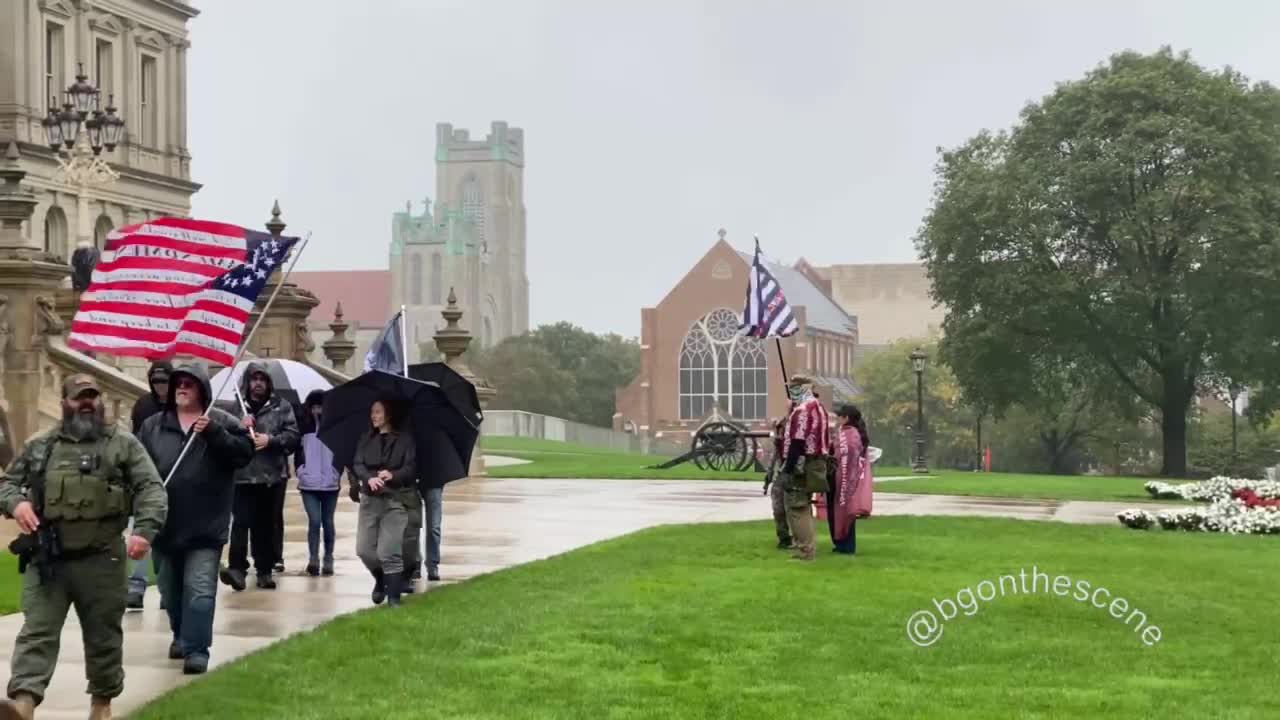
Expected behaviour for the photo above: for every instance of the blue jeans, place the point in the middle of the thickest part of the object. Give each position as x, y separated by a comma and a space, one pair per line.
433, 504
139, 576
188, 583
320, 505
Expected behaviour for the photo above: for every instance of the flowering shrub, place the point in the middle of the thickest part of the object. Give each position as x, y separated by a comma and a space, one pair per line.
1233, 514
1214, 489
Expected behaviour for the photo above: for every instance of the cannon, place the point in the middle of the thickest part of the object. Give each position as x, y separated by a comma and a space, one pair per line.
721, 444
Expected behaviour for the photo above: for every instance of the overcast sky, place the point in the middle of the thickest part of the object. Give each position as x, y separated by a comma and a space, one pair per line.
648, 124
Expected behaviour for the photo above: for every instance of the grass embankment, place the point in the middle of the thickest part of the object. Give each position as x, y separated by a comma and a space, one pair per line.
553, 459
711, 621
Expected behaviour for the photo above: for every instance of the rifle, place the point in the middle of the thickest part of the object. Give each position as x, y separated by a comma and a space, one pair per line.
43, 547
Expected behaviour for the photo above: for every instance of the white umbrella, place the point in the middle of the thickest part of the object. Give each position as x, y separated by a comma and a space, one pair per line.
292, 379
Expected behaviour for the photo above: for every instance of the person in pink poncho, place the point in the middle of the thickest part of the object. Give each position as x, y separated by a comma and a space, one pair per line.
850, 496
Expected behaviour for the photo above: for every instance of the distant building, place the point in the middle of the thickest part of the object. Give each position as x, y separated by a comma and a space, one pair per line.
366, 308
693, 360
473, 242
891, 301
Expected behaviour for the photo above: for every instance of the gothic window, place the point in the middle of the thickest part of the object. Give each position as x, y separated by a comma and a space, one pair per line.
720, 367
415, 279
473, 205
101, 229
437, 279
55, 231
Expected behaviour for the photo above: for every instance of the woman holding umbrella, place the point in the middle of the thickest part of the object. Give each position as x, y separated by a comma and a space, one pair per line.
385, 466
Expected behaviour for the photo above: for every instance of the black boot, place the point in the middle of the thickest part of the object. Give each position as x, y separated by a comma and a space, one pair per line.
395, 584
379, 588
406, 582
313, 568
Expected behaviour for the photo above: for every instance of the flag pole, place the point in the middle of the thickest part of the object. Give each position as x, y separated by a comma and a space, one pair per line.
244, 345
404, 339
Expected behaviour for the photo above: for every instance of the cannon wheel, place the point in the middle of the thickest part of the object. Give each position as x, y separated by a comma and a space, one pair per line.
721, 446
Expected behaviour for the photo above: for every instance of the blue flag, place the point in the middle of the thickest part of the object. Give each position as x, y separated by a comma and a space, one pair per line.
388, 352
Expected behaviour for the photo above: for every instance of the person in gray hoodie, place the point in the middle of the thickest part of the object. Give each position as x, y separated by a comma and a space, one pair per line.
274, 430
319, 479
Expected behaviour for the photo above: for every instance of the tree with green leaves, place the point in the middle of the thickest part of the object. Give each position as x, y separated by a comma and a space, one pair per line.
1129, 221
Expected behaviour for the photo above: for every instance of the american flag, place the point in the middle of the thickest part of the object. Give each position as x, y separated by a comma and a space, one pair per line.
175, 286
766, 313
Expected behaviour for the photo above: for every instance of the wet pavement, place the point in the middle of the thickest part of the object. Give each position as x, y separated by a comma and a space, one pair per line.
540, 518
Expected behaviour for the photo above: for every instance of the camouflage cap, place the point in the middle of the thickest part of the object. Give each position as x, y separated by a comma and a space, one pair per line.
79, 383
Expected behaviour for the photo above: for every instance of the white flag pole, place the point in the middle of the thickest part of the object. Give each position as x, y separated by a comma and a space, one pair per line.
244, 345
404, 339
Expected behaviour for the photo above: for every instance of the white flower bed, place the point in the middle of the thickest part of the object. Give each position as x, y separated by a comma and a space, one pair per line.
1224, 515
1213, 489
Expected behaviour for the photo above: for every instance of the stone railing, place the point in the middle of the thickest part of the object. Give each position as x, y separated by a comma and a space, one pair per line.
119, 390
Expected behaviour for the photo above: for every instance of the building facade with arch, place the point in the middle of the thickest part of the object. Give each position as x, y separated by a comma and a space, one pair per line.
694, 362
135, 52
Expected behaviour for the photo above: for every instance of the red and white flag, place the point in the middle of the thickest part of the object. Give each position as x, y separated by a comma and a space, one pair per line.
176, 286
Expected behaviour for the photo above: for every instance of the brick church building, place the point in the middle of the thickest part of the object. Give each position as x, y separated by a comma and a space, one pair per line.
693, 361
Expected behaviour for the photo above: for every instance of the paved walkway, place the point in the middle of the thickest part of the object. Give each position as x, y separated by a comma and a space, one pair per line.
488, 525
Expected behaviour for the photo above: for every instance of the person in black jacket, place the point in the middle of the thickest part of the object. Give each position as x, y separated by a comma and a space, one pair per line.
201, 491
385, 465
145, 407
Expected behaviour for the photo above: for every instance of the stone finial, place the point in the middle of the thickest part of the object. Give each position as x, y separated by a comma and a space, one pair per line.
453, 340
275, 225
338, 348
722, 232
16, 202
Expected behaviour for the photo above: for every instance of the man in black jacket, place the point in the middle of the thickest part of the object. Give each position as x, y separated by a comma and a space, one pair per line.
145, 407
274, 430
201, 491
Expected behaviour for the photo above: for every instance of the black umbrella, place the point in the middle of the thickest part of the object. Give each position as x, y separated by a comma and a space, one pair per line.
459, 390
444, 437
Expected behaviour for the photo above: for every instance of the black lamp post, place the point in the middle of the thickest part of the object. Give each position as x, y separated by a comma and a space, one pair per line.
1234, 391
82, 99
918, 359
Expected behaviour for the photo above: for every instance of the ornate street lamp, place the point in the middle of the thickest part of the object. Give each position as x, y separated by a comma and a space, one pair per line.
80, 165
918, 360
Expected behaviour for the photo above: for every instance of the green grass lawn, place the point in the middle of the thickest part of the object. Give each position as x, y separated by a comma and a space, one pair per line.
10, 583
1060, 487
711, 622
553, 459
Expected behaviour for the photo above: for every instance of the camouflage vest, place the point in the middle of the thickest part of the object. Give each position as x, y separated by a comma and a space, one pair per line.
84, 491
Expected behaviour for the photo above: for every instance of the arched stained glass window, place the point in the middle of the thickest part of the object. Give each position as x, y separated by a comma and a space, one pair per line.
720, 367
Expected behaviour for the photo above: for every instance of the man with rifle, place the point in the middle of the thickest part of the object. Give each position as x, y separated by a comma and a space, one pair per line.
72, 491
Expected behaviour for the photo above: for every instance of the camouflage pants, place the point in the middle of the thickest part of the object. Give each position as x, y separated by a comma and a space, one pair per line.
798, 496
95, 587
777, 495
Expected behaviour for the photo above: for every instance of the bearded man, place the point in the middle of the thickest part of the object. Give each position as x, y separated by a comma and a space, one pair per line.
72, 491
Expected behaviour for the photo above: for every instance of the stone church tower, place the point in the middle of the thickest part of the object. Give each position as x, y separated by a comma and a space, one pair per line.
474, 241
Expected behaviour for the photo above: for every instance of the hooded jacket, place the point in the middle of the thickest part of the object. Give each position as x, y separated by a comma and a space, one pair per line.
149, 405
276, 418
322, 472
202, 489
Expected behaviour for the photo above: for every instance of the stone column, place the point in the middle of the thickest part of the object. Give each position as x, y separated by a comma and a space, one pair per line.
29, 280
339, 348
284, 333
452, 341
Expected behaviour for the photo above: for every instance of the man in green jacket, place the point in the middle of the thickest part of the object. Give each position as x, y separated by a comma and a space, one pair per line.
72, 491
